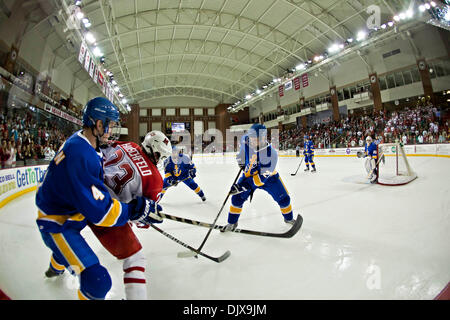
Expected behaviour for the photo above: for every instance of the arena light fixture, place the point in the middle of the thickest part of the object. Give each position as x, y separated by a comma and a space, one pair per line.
409, 13
97, 52
422, 8
80, 15
124, 100
301, 66
89, 37
397, 18
361, 35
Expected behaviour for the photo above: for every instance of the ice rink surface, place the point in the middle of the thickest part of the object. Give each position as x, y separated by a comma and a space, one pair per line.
358, 241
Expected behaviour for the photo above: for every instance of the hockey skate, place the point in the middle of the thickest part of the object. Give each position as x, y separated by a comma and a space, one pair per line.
307, 169
50, 273
229, 227
292, 221
203, 198
313, 170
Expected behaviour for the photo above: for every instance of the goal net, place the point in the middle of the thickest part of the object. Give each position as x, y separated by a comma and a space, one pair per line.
394, 169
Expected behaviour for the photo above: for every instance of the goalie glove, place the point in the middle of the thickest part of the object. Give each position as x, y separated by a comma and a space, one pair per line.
145, 211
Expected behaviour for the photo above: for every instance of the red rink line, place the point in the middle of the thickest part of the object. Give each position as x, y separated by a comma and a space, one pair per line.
445, 293
3, 296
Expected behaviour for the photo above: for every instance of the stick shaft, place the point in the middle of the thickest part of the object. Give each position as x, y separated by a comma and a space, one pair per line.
217, 217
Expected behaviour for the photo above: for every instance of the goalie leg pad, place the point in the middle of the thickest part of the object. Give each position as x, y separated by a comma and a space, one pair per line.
369, 164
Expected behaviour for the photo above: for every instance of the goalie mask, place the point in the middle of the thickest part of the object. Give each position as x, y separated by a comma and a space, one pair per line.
157, 146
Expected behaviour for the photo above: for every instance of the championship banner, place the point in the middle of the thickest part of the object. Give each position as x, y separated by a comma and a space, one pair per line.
297, 83
100, 78
96, 72
82, 53
87, 61
281, 91
305, 80
288, 85
92, 68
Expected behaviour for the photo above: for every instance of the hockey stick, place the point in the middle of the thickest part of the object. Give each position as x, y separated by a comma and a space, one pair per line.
190, 254
215, 259
288, 234
293, 174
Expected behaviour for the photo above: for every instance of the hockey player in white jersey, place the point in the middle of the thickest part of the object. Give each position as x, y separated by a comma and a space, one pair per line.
130, 172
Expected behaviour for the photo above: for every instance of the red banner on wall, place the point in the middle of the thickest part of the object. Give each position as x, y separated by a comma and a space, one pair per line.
281, 91
297, 83
305, 81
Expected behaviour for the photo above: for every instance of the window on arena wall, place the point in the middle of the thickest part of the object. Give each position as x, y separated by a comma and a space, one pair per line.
383, 84
390, 81
407, 77
399, 82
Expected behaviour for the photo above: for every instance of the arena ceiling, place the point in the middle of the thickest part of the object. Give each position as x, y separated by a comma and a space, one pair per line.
218, 50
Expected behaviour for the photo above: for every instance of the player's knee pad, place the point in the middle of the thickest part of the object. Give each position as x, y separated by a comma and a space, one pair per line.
238, 200
95, 282
284, 201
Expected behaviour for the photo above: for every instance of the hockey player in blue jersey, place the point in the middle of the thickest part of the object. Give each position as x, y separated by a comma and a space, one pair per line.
371, 155
258, 160
309, 154
180, 168
73, 194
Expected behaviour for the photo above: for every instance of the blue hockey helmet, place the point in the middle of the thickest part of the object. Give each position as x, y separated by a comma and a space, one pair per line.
100, 109
256, 130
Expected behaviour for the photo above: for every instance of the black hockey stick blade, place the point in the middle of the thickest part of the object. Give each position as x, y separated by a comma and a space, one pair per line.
288, 234
293, 174
215, 259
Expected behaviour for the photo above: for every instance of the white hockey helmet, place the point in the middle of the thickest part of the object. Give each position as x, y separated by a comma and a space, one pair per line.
158, 145
369, 139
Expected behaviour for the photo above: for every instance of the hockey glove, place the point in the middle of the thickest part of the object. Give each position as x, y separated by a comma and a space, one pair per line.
171, 181
145, 211
192, 173
237, 188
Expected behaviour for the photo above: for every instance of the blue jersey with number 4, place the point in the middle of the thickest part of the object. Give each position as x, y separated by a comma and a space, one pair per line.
73, 193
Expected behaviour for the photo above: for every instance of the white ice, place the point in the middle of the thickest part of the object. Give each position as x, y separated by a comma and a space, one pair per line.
358, 241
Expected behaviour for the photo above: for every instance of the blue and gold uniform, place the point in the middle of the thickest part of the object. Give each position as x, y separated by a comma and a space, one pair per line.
309, 154
72, 194
371, 155
259, 173
180, 168
371, 150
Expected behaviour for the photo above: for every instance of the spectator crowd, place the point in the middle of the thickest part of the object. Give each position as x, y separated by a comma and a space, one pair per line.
24, 142
419, 125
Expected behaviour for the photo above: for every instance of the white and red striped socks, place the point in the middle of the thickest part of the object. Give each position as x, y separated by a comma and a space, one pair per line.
134, 277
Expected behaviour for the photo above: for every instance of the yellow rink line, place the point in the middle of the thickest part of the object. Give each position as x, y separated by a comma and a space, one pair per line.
16, 195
